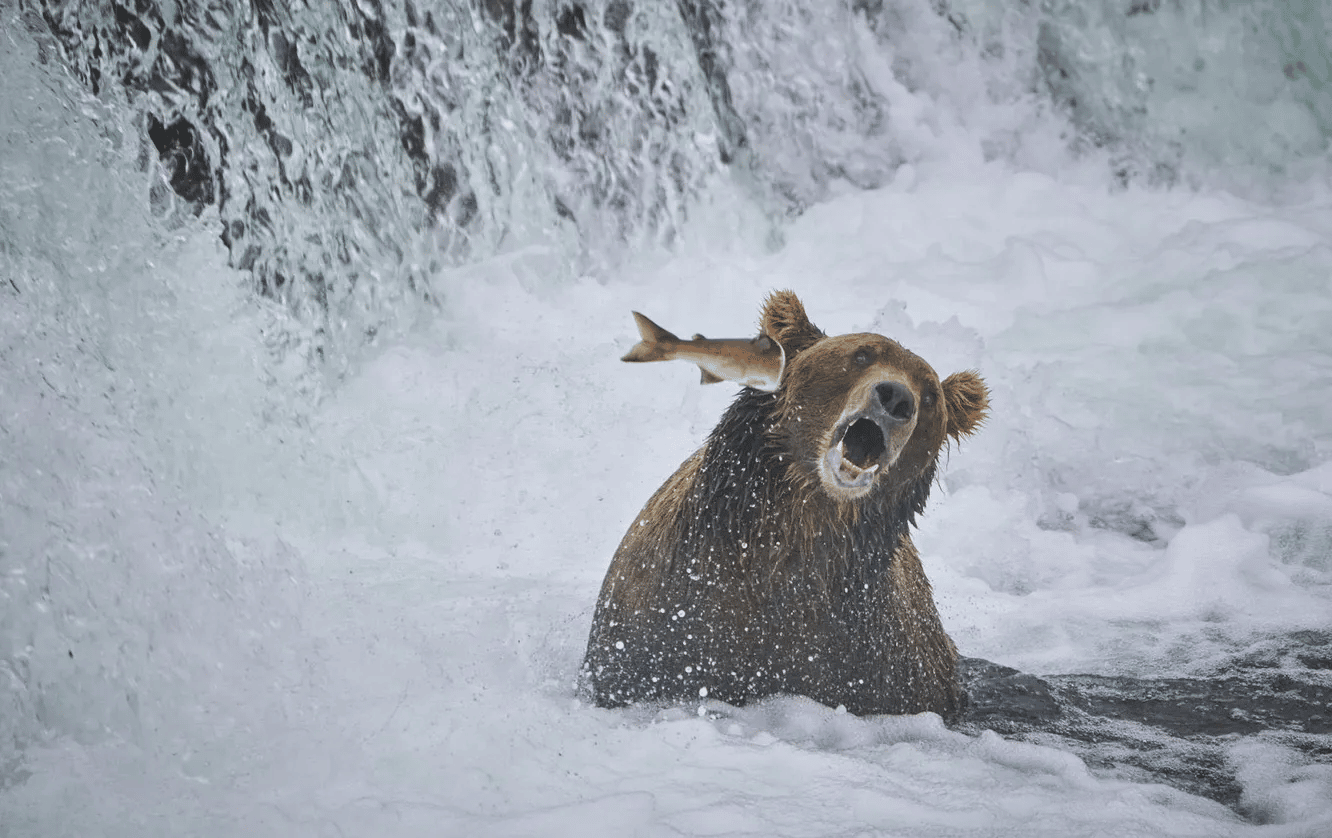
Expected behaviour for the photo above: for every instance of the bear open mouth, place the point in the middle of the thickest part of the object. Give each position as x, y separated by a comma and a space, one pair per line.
863, 444
855, 459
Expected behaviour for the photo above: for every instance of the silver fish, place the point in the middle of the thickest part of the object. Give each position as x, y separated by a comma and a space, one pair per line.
754, 362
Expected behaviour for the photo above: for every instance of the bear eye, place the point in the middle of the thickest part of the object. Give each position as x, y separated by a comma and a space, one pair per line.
927, 398
862, 358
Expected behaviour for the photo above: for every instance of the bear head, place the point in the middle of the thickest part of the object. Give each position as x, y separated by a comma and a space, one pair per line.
859, 414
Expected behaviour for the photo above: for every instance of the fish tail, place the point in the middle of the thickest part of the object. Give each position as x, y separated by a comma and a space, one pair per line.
656, 344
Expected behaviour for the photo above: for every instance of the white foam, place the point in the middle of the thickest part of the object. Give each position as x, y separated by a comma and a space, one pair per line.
398, 582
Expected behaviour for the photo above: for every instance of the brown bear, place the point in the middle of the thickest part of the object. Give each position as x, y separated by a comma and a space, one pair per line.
778, 558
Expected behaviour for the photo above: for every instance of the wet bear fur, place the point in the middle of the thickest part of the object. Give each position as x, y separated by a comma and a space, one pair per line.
764, 566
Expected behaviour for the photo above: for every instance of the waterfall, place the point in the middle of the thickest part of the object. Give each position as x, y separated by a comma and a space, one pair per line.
354, 149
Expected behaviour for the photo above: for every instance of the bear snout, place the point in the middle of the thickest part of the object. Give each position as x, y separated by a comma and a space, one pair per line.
896, 401
868, 438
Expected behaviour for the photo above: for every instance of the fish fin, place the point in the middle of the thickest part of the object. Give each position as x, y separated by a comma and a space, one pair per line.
709, 378
655, 343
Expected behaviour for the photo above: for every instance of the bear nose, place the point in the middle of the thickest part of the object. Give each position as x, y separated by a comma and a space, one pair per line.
896, 400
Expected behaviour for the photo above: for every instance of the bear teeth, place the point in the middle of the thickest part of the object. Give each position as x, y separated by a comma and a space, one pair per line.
849, 473
852, 464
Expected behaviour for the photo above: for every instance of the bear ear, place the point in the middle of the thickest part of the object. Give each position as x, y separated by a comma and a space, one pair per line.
968, 401
784, 320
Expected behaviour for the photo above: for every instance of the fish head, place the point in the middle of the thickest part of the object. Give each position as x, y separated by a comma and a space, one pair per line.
765, 365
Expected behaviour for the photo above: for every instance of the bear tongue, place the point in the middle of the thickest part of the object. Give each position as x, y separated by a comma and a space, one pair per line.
848, 470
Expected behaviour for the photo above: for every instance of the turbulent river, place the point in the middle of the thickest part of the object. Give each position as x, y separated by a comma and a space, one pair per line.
314, 441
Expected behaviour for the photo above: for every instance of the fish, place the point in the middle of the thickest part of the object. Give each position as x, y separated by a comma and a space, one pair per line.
756, 362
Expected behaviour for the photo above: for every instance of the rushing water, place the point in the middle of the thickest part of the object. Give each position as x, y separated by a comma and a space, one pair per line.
313, 446
354, 149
